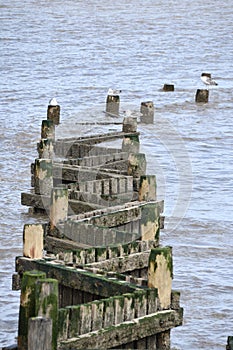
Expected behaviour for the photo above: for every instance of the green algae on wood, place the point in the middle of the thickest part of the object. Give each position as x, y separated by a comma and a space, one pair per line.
27, 305
160, 274
46, 292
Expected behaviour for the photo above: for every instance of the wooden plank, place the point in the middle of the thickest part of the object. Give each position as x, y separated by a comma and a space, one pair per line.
97, 160
99, 138
31, 199
43, 202
123, 264
73, 173
56, 245
77, 278
126, 332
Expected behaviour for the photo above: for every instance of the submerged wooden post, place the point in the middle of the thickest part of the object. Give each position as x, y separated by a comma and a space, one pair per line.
160, 274
229, 343
43, 176
202, 95
45, 149
136, 164
58, 206
47, 304
33, 241
53, 111
168, 87
27, 305
147, 110
113, 102
147, 188
40, 333
47, 129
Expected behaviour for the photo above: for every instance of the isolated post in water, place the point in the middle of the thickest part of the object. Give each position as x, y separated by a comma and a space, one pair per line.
202, 95
147, 110
113, 102
168, 87
53, 111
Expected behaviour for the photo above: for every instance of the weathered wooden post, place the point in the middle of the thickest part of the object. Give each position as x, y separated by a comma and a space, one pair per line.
40, 333
43, 176
202, 95
58, 206
53, 111
147, 188
229, 343
45, 149
147, 110
168, 87
130, 143
27, 305
47, 304
160, 274
150, 221
33, 241
136, 164
129, 124
47, 130
113, 102
164, 340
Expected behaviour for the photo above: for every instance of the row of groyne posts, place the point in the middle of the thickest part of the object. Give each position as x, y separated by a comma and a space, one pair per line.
94, 275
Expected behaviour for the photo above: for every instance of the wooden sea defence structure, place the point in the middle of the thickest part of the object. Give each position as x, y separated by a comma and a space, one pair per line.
94, 275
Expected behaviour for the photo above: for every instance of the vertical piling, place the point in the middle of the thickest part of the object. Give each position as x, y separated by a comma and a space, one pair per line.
150, 222
129, 124
163, 340
147, 188
53, 114
113, 104
202, 95
43, 175
160, 274
33, 241
147, 110
136, 164
58, 206
47, 304
47, 130
27, 305
130, 143
40, 333
45, 149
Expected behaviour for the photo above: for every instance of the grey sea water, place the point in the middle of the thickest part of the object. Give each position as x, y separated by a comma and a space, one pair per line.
76, 50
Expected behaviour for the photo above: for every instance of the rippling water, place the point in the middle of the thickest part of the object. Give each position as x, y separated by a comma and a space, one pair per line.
75, 51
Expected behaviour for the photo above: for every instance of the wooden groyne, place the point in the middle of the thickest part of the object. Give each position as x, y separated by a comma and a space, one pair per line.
94, 276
